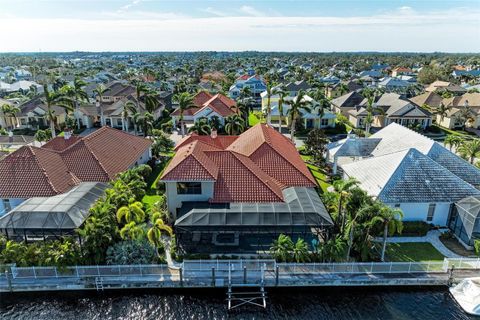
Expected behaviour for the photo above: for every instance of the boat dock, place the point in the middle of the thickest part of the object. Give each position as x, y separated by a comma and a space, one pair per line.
256, 275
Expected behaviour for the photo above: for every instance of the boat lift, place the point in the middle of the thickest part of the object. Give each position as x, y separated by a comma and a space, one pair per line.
236, 297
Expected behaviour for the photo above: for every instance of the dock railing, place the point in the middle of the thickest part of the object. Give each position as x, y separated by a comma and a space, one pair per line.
211, 273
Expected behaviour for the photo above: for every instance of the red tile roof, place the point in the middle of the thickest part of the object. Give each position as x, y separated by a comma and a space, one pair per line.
219, 103
60, 143
32, 171
220, 142
274, 154
253, 167
54, 169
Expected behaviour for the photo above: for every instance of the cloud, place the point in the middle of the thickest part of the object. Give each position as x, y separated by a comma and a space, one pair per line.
141, 15
251, 11
214, 12
129, 5
153, 31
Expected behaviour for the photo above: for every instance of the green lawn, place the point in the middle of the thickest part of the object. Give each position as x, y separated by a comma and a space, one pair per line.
151, 195
318, 174
252, 119
412, 251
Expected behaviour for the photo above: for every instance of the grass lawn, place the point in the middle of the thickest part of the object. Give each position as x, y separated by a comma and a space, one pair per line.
318, 174
412, 251
252, 119
151, 195
460, 133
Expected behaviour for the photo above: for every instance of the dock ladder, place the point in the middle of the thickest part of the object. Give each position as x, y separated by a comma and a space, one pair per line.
99, 283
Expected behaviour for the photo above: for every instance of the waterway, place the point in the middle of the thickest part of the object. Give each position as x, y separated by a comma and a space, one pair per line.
322, 303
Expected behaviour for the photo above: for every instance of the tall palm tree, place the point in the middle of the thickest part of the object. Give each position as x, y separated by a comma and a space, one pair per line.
151, 101
343, 189
133, 112
185, 102
465, 114
282, 95
145, 121
470, 150
49, 100
391, 220
128, 109
297, 104
271, 90
234, 125
140, 88
78, 95
9, 111
99, 91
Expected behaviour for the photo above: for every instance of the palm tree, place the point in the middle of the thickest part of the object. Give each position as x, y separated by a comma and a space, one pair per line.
282, 94
41, 136
132, 231
342, 89
77, 94
442, 111
140, 88
151, 101
300, 251
99, 91
185, 102
155, 233
49, 100
357, 216
282, 247
244, 106
465, 114
128, 109
234, 125
297, 104
9, 111
452, 141
470, 150
271, 90
343, 189
133, 212
145, 121
391, 220
333, 249
201, 127
133, 112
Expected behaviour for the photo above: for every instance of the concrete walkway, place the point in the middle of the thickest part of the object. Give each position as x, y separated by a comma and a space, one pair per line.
431, 237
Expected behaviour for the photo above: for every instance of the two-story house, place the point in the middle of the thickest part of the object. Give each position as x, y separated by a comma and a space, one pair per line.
241, 192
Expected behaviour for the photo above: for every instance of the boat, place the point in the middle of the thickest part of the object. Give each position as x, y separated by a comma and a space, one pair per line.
467, 294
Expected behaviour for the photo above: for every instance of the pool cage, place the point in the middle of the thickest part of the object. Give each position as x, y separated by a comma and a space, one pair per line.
465, 220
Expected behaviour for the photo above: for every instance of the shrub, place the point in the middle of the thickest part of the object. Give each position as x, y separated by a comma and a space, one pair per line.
415, 228
476, 245
143, 170
446, 235
131, 252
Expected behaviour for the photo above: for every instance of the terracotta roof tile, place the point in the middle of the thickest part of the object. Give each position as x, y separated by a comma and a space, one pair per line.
34, 171
54, 169
60, 143
253, 167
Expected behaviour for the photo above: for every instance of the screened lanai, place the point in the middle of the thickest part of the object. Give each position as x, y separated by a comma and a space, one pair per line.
43, 217
251, 227
465, 221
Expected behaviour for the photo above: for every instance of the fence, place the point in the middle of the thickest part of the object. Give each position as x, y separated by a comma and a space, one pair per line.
90, 271
203, 271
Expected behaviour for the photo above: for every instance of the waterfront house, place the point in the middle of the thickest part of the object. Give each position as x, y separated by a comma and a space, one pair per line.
64, 162
240, 192
407, 170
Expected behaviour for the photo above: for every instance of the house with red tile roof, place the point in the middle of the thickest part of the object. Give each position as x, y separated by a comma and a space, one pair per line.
64, 162
207, 106
227, 191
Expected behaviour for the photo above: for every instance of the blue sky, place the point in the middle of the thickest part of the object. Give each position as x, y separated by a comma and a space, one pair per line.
315, 25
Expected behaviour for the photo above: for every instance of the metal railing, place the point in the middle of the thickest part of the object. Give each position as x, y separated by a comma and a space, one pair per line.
90, 271
199, 270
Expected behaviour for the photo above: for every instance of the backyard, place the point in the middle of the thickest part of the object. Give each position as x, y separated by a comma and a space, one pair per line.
412, 252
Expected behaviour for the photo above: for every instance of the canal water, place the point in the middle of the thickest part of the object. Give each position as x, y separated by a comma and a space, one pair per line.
323, 303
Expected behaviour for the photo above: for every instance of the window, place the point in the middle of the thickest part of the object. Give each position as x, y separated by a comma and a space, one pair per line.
324, 122
431, 211
119, 122
397, 205
189, 188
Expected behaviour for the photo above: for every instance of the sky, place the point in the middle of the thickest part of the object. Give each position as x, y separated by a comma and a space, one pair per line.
228, 25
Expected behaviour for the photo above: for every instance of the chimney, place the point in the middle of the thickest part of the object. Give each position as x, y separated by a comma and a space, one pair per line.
67, 134
213, 134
